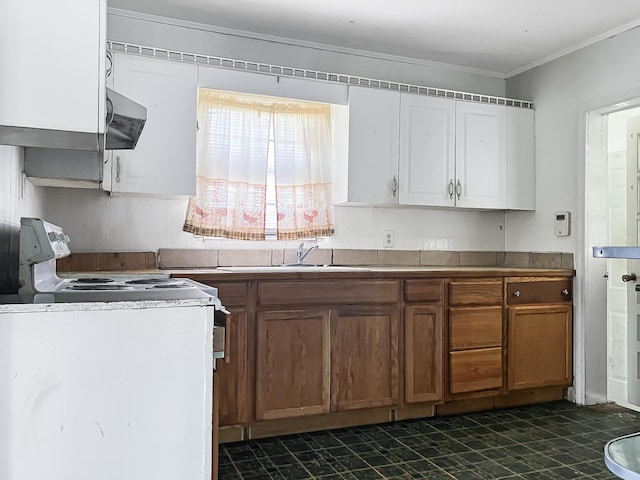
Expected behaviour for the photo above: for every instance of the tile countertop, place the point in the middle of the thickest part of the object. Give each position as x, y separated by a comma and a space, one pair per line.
408, 271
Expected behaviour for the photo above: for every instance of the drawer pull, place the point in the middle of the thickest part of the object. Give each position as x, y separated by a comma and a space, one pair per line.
565, 292
516, 293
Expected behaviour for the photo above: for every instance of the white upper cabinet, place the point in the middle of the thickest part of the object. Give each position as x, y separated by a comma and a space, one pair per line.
53, 64
164, 160
520, 159
427, 151
481, 156
446, 152
372, 168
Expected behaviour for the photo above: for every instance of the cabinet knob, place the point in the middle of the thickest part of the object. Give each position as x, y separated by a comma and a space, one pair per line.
565, 292
516, 293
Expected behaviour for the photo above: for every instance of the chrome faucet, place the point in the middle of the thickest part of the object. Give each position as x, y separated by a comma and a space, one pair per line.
301, 253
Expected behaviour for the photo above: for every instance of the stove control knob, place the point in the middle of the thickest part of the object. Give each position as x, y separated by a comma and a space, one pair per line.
53, 236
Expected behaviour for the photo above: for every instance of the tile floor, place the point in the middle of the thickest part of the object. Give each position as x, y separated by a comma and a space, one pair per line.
550, 441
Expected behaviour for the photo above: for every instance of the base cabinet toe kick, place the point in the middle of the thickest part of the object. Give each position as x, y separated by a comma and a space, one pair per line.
317, 354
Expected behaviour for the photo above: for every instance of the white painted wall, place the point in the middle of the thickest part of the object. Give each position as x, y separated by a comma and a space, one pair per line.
563, 91
17, 199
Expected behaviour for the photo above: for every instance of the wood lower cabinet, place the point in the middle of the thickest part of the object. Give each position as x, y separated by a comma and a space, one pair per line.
540, 333
364, 357
384, 349
292, 363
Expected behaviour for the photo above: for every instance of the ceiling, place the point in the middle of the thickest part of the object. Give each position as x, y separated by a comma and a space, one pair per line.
497, 37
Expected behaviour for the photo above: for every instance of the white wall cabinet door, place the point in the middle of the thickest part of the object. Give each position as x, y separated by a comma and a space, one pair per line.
481, 157
427, 151
53, 65
520, 159
374, 118
164, 160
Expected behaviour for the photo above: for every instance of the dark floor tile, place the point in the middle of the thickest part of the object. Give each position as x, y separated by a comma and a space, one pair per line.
558, 440
367, 474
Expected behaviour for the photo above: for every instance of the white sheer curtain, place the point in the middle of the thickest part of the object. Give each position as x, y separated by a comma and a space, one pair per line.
233, 143
303, 162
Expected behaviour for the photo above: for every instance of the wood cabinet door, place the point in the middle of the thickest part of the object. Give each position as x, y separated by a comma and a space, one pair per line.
364, 357
232, 376
427, 150
292, 363
374, 125
481, 157
423, 353
540, 346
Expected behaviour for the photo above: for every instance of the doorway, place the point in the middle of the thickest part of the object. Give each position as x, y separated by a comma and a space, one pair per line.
606, 195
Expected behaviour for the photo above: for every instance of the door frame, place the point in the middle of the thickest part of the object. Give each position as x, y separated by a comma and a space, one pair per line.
590, 330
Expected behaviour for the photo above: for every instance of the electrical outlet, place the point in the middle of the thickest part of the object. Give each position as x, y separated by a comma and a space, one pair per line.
387, 239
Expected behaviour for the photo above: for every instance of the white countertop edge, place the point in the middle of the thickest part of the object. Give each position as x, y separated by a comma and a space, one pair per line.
94, 306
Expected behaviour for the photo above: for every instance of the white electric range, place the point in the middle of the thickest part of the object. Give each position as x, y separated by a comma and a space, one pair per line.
42, 243
104, 377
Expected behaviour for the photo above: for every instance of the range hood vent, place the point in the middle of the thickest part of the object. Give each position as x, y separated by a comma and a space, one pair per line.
69, 162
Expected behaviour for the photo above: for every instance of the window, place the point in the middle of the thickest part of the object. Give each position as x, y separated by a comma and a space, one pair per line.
264, 168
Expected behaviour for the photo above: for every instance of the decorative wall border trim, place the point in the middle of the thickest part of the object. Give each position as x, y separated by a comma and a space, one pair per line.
279, 70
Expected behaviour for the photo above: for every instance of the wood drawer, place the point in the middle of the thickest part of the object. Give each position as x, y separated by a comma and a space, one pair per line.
474, 370
328, 292
429, 291
478, 292
539, 291
232, 293
475, 327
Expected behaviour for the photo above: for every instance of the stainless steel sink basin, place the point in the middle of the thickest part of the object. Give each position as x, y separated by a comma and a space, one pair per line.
296, 268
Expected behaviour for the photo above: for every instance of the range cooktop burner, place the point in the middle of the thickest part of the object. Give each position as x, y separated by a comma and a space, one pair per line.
98, 287
172, 285
93, 280
150, 281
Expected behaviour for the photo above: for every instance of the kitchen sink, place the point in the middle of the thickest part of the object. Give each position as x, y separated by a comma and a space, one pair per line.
296, 268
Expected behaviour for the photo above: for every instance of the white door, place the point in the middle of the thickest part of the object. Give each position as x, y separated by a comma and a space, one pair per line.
633, 265
481, 157
427, 150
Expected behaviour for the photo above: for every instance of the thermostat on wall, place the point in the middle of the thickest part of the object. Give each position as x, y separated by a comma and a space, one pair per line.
562, 223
